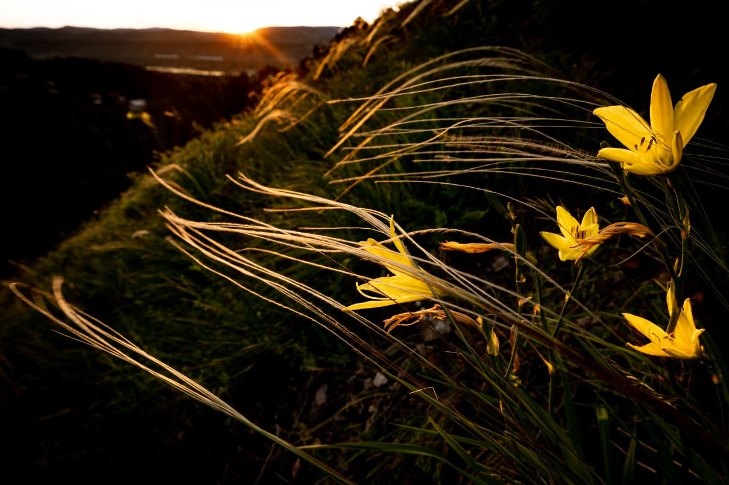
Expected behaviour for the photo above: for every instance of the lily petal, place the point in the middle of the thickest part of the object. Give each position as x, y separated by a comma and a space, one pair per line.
677, 147
632, 161
591, 229
695, 340
651, 349
661, 108
690, 110
394, 290
566, 223
650, 330
376, 248
646, 327
396, 240
370, 304
624, 124
685, 327
569, 254
400, 286
555, 240
677, 353
588, 219
647, 167
620, 155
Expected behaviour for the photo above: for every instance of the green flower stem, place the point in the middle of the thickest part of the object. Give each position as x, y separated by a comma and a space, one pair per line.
520, 250
660, 245
567, 298
682, 211
628, 191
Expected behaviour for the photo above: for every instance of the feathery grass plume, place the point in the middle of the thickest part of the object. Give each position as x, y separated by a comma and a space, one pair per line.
190, 234
478, 119
90, 331
382, 40
613, 230
282, 96
464, 116
363, 41
314, 242
338, 50
470, 301
474, 139
528, 140
441, 8
475, 145
277, 116
286, 91
418, 8
478, 408
506, 413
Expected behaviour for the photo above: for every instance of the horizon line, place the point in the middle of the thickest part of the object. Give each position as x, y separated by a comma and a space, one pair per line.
179, 29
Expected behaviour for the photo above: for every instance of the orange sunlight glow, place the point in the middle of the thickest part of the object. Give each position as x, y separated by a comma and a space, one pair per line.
230, 16
254, 38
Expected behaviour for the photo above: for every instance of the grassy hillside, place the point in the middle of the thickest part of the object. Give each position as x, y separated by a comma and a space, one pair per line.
523, 376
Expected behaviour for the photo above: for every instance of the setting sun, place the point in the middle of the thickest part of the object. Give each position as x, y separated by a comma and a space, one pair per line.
231, 16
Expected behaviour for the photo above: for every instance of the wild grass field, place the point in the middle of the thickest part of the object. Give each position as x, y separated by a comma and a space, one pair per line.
470, 245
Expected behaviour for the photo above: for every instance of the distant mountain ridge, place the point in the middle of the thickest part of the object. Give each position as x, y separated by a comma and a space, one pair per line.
230, 53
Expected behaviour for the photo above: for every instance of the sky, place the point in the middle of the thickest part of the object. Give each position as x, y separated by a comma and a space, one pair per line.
233, 16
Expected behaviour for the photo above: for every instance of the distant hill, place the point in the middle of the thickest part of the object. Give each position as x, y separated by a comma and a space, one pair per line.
210, 51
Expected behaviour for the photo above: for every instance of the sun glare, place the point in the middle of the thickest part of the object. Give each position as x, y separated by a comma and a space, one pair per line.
230, 16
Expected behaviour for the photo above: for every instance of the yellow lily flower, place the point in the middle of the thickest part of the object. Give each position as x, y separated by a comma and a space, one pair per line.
682, 343
568, 245
656, 148
402, 287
